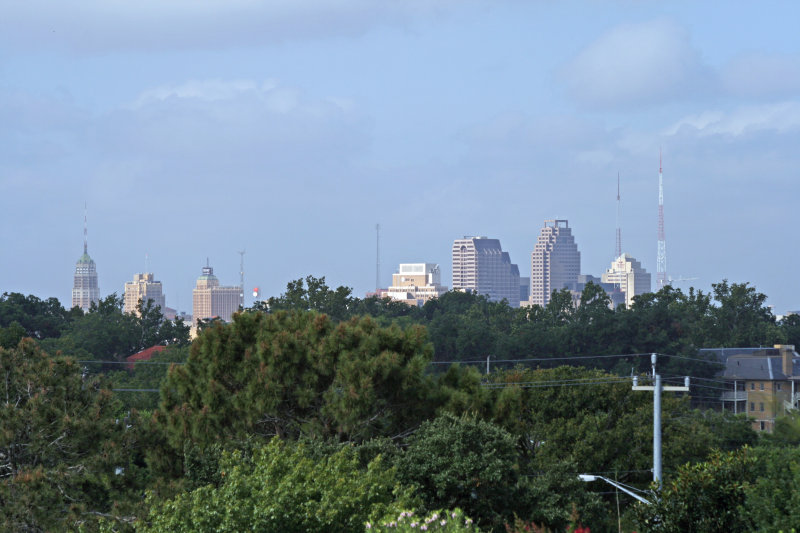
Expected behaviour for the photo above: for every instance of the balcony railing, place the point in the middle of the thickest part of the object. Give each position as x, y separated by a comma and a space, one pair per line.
734, 396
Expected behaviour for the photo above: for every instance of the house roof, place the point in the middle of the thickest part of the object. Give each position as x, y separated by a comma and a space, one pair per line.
765, 367
145, 355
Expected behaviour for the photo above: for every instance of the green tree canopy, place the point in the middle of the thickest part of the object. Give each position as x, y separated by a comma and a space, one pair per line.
60, 446
703, 498
40, 319
297, 373
281, 488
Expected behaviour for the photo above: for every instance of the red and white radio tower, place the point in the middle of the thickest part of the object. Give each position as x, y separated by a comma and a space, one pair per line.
661, 262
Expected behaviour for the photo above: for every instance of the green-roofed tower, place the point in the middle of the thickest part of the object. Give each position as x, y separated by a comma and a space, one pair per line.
84, 288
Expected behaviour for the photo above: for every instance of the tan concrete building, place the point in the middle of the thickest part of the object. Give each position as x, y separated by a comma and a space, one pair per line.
85, 289
210, 300
144, 288
627, 274
416, 283
765, 384
480, 265
555, 261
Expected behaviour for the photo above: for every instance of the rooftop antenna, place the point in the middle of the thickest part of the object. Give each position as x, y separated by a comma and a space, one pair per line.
618, 251
661, 261
377, 257
85, 230
241, 278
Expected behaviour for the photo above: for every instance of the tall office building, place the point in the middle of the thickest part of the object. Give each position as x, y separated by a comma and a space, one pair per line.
480, 265
555, 261
144, 288
416, 283
209, 300
627, 274
84, 287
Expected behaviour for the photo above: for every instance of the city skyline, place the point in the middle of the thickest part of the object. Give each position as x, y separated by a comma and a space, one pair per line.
289, 131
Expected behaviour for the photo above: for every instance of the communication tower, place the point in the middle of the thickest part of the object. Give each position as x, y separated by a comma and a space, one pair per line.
661, 262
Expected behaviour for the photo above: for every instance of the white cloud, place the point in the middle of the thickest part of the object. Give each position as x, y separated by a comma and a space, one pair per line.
637, 64
780, 118
97, 26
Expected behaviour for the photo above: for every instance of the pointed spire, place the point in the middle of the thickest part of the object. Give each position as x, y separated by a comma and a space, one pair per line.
85, 230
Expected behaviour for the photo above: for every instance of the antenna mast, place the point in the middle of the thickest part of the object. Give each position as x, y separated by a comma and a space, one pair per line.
618, 251
661, 262
377, 257
85, 230
241, 278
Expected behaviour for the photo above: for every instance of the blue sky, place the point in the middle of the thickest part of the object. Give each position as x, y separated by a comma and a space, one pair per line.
195, 129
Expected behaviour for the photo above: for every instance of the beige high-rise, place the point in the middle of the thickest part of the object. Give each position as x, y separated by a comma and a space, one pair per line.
85, 290
209, 300
627, 274
555, 261
480, 265
144, 288
416, 283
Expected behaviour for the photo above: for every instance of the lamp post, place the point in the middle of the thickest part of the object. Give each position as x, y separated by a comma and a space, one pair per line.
591, 477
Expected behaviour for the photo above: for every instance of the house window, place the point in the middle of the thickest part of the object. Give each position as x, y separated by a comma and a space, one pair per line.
761, 386
753, 385
778, 385
761, 406
752, 406
762, 425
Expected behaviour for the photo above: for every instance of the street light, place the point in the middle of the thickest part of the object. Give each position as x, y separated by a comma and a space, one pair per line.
590, 477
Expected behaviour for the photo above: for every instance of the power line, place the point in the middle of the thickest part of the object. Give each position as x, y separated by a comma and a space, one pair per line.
533, 359
130, 362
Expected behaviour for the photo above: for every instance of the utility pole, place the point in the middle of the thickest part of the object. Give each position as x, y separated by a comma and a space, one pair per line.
657, 388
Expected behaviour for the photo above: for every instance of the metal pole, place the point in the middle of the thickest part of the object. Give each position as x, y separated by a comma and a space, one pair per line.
657, 431
487, 364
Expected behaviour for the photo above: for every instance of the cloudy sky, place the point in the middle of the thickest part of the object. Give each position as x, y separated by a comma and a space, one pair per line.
197, 128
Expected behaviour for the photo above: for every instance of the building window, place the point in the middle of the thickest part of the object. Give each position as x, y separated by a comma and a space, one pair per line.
762, 425
753, 385
761, 406
761, 386
752, 406
778, 385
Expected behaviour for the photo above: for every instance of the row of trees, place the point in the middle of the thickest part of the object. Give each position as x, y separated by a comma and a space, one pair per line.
468, 327
461, 326
290, 395
104, 332
333, 400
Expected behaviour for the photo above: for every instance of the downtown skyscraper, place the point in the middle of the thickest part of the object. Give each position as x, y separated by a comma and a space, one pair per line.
85, 289
481, 266
555, 261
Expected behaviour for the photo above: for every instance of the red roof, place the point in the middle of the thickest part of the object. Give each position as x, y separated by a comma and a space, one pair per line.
144, 355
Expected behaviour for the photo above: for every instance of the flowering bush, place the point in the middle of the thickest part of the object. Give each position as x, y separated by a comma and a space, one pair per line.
447, 521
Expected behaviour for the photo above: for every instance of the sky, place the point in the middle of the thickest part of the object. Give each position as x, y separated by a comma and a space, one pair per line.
195, 129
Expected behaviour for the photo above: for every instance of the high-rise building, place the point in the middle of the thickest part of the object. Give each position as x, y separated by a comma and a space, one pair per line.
555, 261
480, 265
627, 274
144, 288
524, 289
209, 300
416, 283
84, 287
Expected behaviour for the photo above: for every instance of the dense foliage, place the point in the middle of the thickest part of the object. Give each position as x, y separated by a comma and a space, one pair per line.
62, 452
282, 489
321, 411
